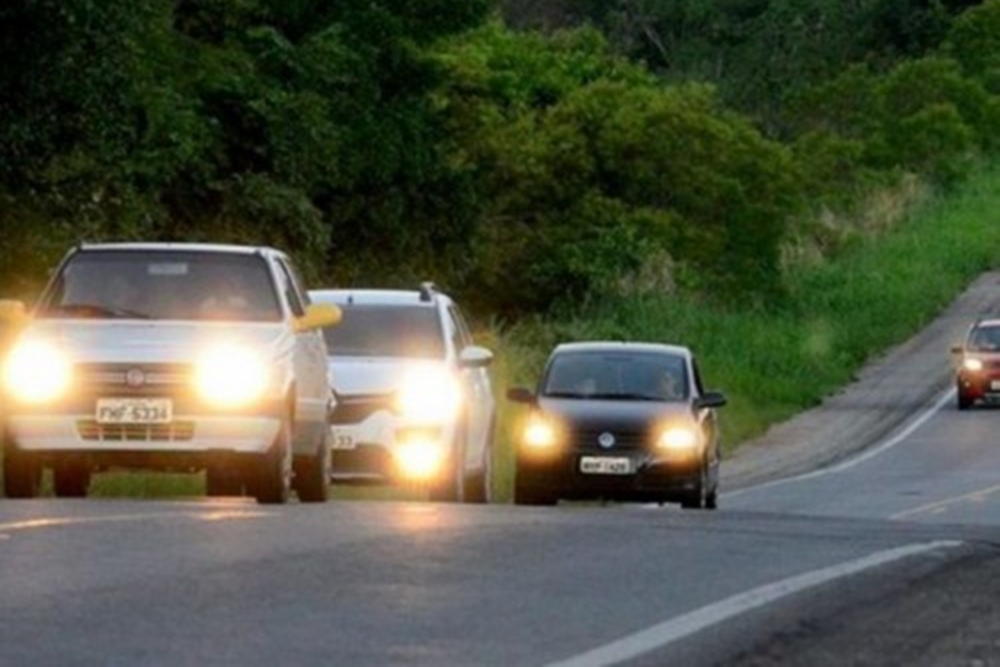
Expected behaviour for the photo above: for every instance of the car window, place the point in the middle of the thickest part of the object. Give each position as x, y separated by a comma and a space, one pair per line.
985, 339
157, 285
462, 335
291, 286
386, 331
639, 375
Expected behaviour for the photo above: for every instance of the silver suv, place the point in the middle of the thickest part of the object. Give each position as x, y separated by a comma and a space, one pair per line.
414, 399
175, 357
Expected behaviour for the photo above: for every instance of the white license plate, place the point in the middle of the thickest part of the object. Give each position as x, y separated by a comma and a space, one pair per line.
134, 410
994, 385
341, 440
606, 465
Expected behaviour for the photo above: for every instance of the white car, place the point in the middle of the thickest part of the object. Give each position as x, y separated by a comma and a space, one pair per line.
176, 357
414, 399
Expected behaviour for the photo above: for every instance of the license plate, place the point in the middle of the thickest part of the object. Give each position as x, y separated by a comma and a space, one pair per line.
134, 410
341, 440
994, 385
606, 465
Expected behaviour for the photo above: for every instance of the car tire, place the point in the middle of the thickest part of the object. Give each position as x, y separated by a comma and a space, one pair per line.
70, 480
22, 473
450, 488
271, 471
479, 486
526, 493
533, 495
312, 475
698, 498
964, 401
223, 481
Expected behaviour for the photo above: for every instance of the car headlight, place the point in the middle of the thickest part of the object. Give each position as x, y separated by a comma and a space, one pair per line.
36, 372
430, 394
679, 439
539, 433
972, 364
231, 376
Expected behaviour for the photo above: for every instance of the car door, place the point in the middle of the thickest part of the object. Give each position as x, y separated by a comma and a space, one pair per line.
706, 416
313, 392
479, 394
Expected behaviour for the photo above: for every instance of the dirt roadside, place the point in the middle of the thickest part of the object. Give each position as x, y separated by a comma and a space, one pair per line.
888, 392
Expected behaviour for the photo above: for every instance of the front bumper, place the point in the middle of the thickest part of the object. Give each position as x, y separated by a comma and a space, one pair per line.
374, 449
650, 478
982, 385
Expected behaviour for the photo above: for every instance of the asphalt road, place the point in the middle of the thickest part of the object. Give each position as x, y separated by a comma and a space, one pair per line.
887, 554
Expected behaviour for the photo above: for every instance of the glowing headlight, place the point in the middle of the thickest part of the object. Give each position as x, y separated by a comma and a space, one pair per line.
679, 439
230, 376
429, 394
973, 364
36, 372
539, 433
419, 456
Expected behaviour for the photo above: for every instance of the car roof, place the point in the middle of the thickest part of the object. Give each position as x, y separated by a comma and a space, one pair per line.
621, 346
371, 297
182, 247
992, 322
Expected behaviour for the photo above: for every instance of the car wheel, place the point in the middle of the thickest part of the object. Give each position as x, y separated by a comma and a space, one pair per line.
698, 497
532, 494
22, 473
272, 470
312, 475
71, 480
479, 486
712, 500
223, 481
450, 488
964, 401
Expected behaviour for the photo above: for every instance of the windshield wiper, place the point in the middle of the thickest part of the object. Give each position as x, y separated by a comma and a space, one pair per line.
97, 310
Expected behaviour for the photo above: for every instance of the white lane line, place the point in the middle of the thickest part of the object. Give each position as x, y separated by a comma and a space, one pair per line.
940, 506
659, 636
869, 453
58, 521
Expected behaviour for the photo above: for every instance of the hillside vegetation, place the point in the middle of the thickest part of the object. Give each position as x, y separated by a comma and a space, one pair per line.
687, 147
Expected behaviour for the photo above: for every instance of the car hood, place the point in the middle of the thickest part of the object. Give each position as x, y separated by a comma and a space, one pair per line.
373, 375
156, 342
614, 414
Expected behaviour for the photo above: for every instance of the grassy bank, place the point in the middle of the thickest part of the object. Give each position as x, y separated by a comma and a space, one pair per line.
835, 316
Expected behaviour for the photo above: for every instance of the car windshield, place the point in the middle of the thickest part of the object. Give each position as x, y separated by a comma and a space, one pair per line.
386, 331
617, 375
162, 285
985, 339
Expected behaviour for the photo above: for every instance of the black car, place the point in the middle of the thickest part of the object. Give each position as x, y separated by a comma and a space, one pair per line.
618, 421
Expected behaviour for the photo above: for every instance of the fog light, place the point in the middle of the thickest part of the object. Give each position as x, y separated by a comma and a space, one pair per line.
420, 456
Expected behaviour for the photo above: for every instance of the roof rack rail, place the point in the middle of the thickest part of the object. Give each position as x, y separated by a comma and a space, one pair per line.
427, 290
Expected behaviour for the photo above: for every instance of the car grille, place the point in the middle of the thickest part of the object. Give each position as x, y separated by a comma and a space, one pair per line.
588, 439
354, 409
134, 378
92, 430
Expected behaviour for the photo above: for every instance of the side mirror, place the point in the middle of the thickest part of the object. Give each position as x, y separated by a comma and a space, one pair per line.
710, 399
521, 395
957, 349
474, 356
318, 315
